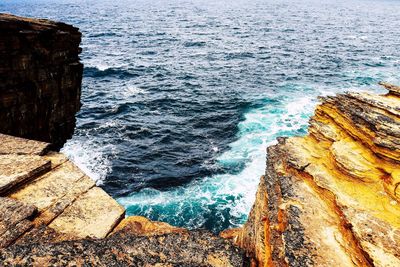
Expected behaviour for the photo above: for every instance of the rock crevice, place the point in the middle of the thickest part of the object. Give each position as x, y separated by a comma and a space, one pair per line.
331, 198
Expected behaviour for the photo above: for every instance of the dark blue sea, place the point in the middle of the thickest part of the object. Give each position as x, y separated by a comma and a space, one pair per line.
182, 97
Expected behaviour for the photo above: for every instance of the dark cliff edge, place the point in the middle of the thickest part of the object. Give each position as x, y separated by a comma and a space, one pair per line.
51, 213
329, 198
40, 79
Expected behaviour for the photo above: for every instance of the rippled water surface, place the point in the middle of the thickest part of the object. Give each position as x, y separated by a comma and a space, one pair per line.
181, 98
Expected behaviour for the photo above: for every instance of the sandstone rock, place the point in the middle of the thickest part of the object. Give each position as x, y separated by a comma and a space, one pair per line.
55, 158
93, 214
40, 78
21, 146
49, 187
14, 221
18, 169
139, 225
331, 198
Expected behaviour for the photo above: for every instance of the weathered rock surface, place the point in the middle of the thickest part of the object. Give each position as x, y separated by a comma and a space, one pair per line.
18, 169
14, 220
331, 198
58, 217
21, 146
142, 226
40, 79
195, 248
51, 213
61, 195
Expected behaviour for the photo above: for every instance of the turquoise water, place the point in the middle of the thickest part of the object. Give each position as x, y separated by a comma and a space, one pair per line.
181, 98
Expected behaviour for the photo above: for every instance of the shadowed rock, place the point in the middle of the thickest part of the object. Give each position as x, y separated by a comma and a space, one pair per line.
40, 79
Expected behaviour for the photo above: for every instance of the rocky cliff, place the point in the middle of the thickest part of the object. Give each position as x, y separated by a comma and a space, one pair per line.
51, 213
40, 78
331, 198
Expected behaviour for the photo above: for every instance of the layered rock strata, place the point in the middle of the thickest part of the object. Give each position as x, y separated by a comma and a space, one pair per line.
331, 198
40, 78
52, 214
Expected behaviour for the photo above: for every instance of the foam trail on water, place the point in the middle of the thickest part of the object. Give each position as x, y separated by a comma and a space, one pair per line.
224, 200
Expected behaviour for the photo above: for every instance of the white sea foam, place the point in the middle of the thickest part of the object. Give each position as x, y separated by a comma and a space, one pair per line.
101, 66
89, 157
232, 192
132, 90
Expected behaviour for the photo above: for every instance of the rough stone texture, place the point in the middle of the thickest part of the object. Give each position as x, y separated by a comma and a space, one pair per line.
197, 248
40, 79
13, 220
139, 225
18, 169
93, 214
48, 188
331, 198
21, 146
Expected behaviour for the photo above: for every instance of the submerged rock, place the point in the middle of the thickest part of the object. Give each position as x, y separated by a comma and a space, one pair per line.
331, 198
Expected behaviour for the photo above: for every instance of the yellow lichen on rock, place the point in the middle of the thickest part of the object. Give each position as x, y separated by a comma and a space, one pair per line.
331, 198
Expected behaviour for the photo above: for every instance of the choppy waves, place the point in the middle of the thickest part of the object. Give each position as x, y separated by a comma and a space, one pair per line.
223, 200
181, 98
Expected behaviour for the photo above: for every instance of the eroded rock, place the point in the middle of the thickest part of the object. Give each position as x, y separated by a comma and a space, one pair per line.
40, 79
331, 198
139, 225
14, 220
19, 169
196, 248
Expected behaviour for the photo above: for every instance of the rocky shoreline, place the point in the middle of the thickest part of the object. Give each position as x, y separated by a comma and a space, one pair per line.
328, 198
331, 198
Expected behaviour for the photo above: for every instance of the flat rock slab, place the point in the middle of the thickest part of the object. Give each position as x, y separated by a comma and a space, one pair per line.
14, 221
18, 169
56, 158
93, 214
21, 146
77, 189
49, 187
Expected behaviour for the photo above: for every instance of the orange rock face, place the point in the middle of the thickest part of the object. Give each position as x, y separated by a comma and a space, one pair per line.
139, 225
331, 198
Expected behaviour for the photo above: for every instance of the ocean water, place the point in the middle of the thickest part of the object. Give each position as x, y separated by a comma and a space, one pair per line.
182, 97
